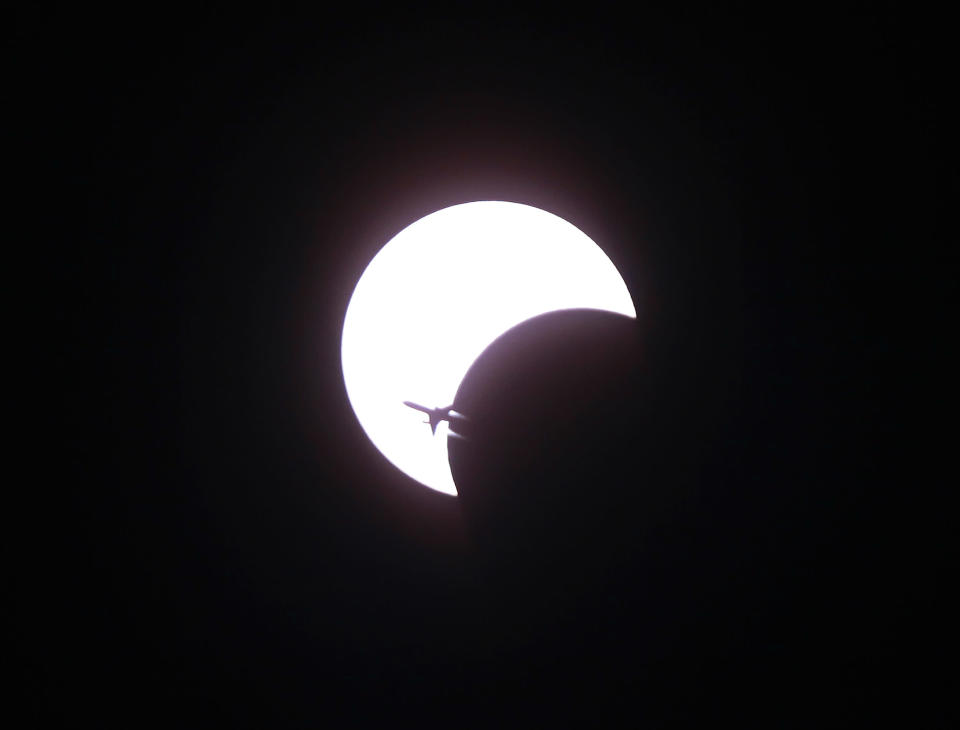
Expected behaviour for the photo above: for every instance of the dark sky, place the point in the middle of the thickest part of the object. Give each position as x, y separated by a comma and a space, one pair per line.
207, 536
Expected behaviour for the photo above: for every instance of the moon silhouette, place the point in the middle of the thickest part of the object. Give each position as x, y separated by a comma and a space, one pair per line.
437, 294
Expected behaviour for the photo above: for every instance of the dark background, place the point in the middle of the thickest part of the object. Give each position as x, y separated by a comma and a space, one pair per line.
207, 536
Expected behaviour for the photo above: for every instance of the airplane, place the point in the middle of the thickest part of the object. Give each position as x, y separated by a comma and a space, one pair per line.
435, 415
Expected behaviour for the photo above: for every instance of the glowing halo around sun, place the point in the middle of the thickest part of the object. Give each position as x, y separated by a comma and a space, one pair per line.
437, 294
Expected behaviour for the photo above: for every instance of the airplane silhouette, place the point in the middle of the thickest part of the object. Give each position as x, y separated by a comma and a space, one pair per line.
434, 414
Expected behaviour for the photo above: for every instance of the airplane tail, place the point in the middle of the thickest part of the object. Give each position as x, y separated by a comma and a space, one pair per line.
437, 415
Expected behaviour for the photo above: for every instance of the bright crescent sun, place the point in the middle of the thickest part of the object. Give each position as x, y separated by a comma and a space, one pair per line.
437, 294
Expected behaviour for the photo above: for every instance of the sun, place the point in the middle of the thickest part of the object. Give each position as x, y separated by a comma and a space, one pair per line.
437, 294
